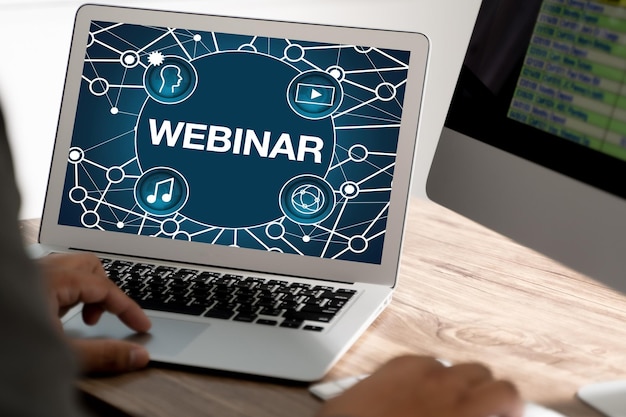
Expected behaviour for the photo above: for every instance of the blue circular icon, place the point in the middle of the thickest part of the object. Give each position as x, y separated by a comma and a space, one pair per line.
161, 191
307, 199
314, 94
170, 80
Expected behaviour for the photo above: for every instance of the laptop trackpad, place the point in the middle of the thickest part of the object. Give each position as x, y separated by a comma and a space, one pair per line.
173, 335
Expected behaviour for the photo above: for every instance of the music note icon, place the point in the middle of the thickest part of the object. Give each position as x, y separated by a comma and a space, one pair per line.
165, 197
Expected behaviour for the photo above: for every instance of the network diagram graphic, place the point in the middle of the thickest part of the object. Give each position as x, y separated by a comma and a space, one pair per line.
237, 140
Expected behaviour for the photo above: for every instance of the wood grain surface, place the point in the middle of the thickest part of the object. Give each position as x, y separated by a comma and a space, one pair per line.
465, 293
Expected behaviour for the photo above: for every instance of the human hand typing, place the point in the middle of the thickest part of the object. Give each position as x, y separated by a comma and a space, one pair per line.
79, 278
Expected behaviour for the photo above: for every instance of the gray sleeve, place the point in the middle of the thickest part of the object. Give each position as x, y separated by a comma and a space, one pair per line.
36, 369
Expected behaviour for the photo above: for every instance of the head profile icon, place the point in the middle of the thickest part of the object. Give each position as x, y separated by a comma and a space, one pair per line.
170, 78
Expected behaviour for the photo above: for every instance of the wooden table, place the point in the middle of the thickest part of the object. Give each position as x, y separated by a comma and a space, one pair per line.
465, 294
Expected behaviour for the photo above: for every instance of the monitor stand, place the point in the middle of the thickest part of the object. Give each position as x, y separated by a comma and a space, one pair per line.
607, 397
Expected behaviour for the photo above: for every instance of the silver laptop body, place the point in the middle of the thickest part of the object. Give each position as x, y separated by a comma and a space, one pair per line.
273, 150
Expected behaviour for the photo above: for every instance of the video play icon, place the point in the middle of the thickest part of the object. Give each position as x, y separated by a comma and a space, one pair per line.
315, 94
321, 95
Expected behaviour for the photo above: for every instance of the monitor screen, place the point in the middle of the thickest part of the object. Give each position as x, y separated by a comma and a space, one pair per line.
544, 80
534, 144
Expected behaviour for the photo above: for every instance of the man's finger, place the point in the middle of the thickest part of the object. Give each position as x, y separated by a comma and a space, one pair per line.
72, 288
110, 356
497, 398
471, 373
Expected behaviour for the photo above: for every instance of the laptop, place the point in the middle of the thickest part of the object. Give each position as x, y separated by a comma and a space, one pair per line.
246, 181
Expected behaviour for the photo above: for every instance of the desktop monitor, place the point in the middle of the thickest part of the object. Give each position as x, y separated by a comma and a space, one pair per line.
534, 144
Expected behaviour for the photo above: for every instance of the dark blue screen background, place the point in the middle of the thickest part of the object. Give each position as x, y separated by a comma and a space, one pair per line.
331, 202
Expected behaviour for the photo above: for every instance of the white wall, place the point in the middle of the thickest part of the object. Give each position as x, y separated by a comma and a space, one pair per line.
35, 37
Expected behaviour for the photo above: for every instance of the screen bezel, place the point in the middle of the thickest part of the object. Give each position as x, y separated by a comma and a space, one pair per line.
52, 233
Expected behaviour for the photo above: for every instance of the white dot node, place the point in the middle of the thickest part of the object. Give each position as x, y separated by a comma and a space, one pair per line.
277, 250
275, 231
336, 72
363, 49
306, 239
197, 37
99, 87
247, 47
358, 244
358, 153
115, 110
170, 227
78, 195
115, 175
182, 236
349, 190
294, 52
90, 219
386, 92
120, 225
129, 59
76, 155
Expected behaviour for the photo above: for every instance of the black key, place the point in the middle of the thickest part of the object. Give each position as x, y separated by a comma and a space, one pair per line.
287, 305
266, 303
199, 292
319, 310
300, 285
232, 277
344, 292
336, 303
219, 314
267, 322
270, 312
172, 307
206, 275
141, 268
313, 328
313, 301
247, 308
291, 323
134, 293
245, 317
323, 288
266, 287
301, 315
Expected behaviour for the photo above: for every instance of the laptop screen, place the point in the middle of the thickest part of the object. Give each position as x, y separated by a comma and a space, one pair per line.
281, 145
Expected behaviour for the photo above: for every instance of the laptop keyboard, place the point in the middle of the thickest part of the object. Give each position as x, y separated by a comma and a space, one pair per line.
268, 302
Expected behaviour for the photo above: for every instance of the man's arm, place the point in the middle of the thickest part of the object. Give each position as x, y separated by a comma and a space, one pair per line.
36, 370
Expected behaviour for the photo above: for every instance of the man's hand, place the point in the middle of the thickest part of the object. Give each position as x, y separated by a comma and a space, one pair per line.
413, 386
79, 278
